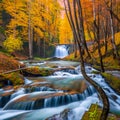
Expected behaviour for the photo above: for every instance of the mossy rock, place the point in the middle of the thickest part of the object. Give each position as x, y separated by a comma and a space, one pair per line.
93, 107
36, 71
15, 78
93, 113
113, 81
112, 117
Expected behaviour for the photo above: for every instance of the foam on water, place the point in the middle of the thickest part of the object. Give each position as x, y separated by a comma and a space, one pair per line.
77, 109
27, 81
10, 113
17, 93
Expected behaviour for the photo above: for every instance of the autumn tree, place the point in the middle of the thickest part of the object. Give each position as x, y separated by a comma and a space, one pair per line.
14, 9
115, 51
33, 20
96, 23
13, 44
79, 37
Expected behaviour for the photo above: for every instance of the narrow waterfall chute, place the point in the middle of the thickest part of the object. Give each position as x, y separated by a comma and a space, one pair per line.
61, 51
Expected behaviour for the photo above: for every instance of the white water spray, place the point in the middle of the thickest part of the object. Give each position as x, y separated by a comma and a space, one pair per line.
61, 51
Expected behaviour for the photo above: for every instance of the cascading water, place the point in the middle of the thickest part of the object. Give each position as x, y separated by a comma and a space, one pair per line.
26, 103
19, 104
61, 51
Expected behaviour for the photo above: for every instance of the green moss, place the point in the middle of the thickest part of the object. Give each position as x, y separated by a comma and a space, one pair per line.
94, 113
40, 59
113, 81
2, 30
14, 77
96, 72
37, 70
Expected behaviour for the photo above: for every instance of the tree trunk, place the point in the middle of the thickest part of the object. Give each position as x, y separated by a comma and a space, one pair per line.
105, 28
70, 20
101, 92
98, 37
111, 11
38, 44
75, 47
97, 87
30, 33
44, 51
30, 30
115, 51
82, 27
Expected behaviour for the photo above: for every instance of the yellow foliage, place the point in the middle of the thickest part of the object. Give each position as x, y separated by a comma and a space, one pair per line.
87, 37
15, 78
12, 44
66, 35
117, 38
43, 16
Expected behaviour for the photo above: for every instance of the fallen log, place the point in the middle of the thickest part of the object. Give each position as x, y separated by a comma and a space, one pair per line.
10, 71
32, 74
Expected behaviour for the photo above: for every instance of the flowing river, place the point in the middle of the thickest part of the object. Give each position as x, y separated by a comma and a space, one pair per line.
63, 95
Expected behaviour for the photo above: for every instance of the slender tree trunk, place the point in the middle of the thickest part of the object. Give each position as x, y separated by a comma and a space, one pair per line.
70, 20
30, 42
111, 11
44, 51
101, 92
14, 29
115, 51
98, 36
97, 87
75, 47
30, 33
82, 27
105, 27
76, 21
38, 44
118, 25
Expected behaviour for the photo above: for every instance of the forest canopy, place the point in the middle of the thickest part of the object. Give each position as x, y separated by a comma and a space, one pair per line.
43, 23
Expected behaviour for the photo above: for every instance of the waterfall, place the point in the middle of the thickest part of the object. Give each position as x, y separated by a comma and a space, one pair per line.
5, 96
38, 88
4, 100
27, 81
61, 51
19, 104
